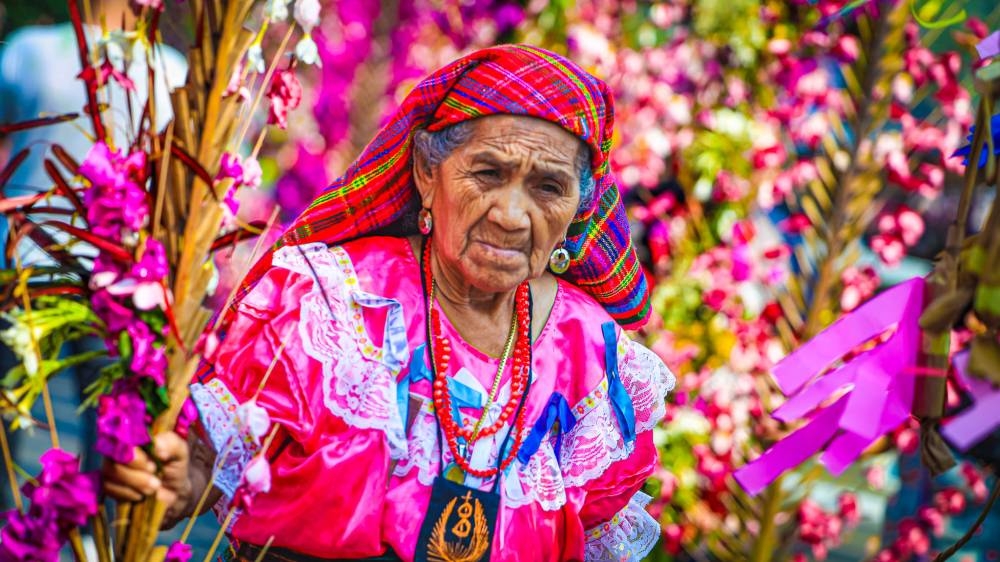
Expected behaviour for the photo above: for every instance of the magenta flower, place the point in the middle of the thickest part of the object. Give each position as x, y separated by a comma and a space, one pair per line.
187, 416
178, 552
121, 423
62, 498
230, 167
29, 538
115, 315
147, 359
115, 199
152, 266
61, 488
285, 95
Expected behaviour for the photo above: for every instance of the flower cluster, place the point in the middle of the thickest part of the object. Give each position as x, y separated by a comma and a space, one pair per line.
62, 499
898, 231
822, 530
128, 293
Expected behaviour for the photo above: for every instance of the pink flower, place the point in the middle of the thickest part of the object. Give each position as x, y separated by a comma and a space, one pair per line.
207, 345
252, 173
61, 487
859, 284
847, 49
933, 518
62, 498
812, 522
253, 420
113, 313
188, 415
285, 95
30, 538
796, 223
234, 85
256, 478
974, 480
231, 166
672, 536
907, 440
178, 552
913, 538
950, 501
875, 475
115, 200
154, 4
890, 249
148, 357
847, 504
121, 423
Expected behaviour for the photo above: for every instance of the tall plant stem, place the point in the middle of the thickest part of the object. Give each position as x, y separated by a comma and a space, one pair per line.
855, 182
8, 461
763, 547
869, 112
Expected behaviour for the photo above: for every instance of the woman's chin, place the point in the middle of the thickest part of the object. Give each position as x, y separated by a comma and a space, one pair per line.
494, 279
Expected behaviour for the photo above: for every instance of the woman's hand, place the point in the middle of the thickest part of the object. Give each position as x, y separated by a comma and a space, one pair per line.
139, 478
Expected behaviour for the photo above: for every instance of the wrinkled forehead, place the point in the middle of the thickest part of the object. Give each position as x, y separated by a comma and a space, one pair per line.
535, 83
511, 137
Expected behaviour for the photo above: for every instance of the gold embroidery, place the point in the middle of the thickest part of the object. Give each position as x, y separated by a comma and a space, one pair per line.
439, 549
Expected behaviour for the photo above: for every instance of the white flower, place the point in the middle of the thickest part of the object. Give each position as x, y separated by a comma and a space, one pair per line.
253, 419
252, 173
18, 338
258, 475
307, 14
255, 58
277, 10
307, 51
116, 45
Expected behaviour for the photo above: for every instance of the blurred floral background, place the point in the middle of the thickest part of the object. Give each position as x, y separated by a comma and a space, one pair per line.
784, 160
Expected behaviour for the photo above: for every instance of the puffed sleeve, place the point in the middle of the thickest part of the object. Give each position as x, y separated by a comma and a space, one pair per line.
259, 364
617, 525
298, 351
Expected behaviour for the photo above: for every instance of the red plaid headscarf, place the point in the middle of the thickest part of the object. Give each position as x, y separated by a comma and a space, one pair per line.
377, 194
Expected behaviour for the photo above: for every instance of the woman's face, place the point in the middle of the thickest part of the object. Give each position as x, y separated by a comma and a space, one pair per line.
503, 201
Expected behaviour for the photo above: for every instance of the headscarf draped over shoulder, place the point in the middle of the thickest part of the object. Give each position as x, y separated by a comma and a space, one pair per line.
376, 195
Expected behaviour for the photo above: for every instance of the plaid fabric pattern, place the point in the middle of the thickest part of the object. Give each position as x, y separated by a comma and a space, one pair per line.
377, 194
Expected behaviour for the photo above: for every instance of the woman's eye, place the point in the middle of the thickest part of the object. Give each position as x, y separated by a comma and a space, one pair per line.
489, 173
552, 188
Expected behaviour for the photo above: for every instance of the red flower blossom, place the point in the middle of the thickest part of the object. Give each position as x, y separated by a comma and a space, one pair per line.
285, 95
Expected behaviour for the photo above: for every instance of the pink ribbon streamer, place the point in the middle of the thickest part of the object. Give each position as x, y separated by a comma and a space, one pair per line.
879, 387
980, 419
990, 46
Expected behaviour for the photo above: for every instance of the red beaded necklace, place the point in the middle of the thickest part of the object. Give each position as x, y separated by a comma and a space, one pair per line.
521, 369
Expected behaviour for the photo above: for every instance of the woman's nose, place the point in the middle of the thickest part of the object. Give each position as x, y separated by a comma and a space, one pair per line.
510, 210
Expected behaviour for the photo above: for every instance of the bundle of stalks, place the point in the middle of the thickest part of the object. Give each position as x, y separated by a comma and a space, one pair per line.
154, 208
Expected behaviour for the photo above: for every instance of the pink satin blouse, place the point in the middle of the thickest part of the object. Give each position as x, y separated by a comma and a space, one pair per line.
339, 328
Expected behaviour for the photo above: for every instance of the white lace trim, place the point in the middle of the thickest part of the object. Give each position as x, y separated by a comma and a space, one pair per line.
595, 442
627, 537
234, 448
540, 481
422, 447
358, 386
647, 380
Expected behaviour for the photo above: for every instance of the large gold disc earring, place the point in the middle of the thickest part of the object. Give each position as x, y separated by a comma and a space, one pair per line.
425, 222
559, 260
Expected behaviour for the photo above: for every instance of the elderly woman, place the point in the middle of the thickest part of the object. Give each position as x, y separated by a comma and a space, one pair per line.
438, 341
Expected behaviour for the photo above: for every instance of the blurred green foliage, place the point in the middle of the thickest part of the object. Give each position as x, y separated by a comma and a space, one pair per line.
19, 13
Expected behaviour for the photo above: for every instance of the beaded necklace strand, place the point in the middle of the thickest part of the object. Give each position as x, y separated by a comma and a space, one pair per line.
441, 356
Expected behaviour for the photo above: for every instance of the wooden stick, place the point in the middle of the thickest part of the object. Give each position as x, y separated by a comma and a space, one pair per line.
101, 537
8, 461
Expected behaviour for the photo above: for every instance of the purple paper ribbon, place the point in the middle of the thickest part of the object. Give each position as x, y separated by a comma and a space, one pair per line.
990, 46
980, 419
879, 387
